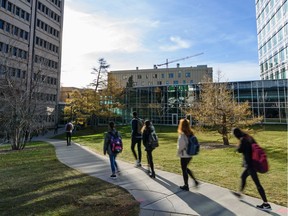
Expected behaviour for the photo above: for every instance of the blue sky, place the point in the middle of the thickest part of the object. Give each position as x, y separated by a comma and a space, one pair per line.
142, 33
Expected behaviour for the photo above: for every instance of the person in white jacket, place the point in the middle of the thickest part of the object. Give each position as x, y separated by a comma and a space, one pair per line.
184, 131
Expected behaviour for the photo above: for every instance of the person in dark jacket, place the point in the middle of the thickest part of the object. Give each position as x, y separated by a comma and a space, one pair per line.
136, 137
107, 149
148, 129
245, 147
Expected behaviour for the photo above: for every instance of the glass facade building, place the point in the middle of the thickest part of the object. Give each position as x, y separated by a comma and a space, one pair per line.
163, 104
272, 32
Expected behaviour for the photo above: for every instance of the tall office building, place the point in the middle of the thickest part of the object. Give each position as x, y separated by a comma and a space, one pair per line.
30, 47
272, 30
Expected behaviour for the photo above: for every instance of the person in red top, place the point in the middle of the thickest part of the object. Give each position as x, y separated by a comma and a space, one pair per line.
245, 147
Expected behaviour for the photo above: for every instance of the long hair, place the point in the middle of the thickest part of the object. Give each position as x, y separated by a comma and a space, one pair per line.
184, 127
147, 124
239, 134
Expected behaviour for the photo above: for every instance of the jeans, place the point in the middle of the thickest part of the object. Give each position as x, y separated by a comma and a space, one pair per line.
150, 160
68, 137
113, 163
137, 141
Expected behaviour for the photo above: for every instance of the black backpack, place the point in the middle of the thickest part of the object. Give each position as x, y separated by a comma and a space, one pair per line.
153, 140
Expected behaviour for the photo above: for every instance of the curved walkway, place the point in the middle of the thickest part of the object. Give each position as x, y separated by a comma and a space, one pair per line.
161, 196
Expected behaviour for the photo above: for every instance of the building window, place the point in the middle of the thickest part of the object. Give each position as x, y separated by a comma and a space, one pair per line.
187, 74
175, 82
163, 76
139, 76
171, 75
1, 24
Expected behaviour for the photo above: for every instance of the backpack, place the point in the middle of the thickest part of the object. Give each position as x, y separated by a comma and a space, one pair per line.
193, 146
69, 127
259, 159
139, 125
153, 140
116, 143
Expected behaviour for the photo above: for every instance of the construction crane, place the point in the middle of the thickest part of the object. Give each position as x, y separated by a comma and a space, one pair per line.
176, 60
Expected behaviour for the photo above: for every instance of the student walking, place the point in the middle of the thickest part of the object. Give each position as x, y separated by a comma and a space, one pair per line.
69, 128
107, 149
245, 147
185, 131
148, 131
136, 137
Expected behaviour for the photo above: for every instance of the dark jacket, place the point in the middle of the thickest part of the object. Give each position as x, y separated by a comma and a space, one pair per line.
107, 146
145, 137
245, 148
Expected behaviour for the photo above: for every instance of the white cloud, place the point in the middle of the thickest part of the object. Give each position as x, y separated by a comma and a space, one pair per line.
177, 43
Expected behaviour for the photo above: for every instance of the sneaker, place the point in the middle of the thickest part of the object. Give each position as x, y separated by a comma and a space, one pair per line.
237, 194
118, 172
196, 184
264, 207
184, 187
113, 176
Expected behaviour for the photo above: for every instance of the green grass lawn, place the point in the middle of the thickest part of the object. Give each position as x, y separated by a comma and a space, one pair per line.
34, 182
215, 164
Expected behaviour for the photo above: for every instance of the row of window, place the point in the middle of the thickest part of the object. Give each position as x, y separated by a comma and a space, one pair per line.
45, 79
15, 10
280, 14
277, 75
44, 96
275, 60
46, 45
163, 76
18, 32
46, 62
56, 2
48, 12
47, 28
12, 71
268, 9
151, 83
14, 51
274, 40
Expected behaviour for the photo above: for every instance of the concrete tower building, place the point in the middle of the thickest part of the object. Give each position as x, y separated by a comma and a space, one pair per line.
272, 30
30, 46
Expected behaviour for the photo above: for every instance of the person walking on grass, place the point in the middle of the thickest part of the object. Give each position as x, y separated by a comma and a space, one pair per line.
69, 128
245, 147
107, 149
185, 131
147, 132
136, 137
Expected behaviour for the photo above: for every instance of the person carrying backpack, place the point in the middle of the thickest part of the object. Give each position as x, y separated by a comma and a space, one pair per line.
107, 148
69, 128
245, 147
136, 137
185, 131
148, 131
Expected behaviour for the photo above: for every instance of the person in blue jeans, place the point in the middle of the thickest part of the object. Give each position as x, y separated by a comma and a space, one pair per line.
107, 149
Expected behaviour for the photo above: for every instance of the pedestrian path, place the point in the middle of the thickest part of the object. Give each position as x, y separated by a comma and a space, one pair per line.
161, 196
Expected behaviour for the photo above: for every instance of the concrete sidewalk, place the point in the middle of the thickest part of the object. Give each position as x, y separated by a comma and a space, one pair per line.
161, 196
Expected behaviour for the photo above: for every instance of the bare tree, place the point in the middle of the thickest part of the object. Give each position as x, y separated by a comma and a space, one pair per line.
217, 108
24, 105
100, 73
